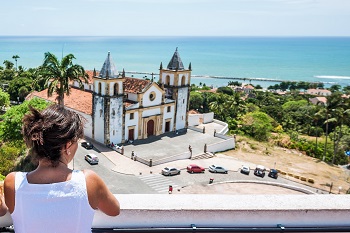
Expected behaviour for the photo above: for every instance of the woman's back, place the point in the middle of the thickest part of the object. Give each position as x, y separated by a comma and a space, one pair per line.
56, 207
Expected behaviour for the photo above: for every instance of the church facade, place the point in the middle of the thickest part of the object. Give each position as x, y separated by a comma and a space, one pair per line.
128, 109
120, 109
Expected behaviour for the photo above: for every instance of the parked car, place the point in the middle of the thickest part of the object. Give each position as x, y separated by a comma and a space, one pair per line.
169, 171
273, 173
193, 168
91, 158
260, 171
245, 170
87, 145
217, 169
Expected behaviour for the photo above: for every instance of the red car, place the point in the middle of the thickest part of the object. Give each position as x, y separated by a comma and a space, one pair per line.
193, 168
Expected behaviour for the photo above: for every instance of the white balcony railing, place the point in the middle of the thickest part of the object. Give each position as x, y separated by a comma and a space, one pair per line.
148, 211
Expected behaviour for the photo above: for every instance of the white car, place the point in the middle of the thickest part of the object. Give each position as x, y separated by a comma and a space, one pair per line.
217, 169
245, 169
91, 158
169, 171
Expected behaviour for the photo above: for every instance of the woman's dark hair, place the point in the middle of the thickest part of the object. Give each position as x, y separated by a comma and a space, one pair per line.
47, 132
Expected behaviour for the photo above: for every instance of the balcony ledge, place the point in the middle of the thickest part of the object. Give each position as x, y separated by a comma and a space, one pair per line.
183, 210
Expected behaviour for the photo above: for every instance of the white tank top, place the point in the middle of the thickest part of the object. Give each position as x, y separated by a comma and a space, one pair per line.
58, 207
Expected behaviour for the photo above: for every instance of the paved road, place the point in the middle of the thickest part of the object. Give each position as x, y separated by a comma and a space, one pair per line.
124, 175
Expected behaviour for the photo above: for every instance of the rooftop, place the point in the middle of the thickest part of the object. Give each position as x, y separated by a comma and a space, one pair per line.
108, 69
175, 62
77, 99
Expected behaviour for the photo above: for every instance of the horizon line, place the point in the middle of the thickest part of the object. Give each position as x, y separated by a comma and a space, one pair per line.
241, 36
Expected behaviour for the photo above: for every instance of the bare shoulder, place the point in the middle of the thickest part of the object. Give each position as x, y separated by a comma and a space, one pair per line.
9, 191
91, 176
10, 180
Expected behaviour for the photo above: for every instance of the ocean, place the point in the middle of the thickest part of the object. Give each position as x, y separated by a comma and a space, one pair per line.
310, 59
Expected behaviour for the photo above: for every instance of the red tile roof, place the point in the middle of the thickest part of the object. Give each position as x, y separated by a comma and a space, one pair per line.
90, 73
135, 85
78, 99
192, 111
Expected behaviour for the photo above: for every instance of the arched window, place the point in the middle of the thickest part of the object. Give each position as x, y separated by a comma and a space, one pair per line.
99, 89
167, 80
183, 80
115, 89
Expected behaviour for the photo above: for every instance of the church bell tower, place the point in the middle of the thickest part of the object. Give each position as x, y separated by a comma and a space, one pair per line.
177, 81
107, 106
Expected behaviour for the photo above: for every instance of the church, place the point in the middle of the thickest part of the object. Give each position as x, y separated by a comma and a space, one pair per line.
120, 109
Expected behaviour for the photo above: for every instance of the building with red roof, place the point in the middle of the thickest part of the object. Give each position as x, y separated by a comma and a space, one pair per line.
119, 108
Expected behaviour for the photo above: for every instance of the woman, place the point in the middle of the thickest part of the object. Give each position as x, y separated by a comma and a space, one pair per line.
54, 198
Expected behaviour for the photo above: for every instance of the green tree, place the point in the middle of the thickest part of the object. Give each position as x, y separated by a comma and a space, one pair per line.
225, 90
257, 125
334, 101
8, 157
335, 88
4, 100
15, 57
11, 121
8, 65
58, 75
196, 100
19, 87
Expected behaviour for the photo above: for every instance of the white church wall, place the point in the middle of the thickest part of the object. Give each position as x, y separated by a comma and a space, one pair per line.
103, 87
181, 108
116, 120
168, 116
180, 79
88, 125
154, 92
171, 78
131, 122
111, 87
151, 112
99, 119
132, 96
133, 106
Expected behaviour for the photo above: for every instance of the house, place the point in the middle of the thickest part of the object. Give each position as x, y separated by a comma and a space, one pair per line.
318, 92
119, 108
248, 89
318, 100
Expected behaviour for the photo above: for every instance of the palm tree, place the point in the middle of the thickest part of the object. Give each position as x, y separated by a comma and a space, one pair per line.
58, 75
15, 57
334, 102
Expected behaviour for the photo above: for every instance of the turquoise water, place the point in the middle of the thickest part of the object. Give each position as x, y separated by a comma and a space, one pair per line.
311, 59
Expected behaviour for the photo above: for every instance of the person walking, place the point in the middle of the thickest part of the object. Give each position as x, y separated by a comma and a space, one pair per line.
54, 198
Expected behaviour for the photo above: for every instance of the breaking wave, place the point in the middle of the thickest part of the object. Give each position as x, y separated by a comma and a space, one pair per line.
331, 77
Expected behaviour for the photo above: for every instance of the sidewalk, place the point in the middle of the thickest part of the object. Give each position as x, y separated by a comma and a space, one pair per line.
125, 165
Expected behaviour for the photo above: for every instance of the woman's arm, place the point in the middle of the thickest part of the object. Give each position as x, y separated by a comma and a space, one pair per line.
99, 195
9, 191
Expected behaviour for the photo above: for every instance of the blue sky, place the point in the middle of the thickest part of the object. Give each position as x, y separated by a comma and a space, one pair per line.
175, 17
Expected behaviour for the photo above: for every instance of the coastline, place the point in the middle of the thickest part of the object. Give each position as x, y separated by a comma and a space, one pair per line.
310, 59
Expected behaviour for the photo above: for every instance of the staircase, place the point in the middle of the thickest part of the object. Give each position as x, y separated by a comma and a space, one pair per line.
206, 155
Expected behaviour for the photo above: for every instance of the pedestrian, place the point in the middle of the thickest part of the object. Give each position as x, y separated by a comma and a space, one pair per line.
53, 197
